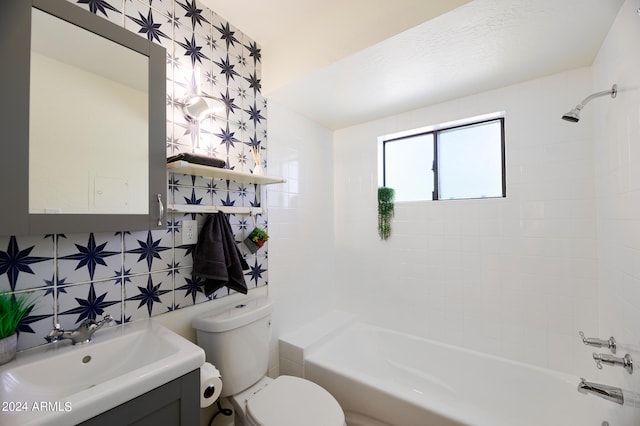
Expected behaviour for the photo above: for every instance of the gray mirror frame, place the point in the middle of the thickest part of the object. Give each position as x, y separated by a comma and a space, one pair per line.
15, 45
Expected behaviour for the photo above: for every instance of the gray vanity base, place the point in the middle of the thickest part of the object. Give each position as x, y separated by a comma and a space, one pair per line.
175, 403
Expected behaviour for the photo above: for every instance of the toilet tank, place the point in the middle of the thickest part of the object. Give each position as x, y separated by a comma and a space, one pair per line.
236, 340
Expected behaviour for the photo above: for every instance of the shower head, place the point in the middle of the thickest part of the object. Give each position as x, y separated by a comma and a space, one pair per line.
574, 115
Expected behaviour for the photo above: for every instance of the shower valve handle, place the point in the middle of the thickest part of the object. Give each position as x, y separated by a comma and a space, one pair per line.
599, 343
626, 362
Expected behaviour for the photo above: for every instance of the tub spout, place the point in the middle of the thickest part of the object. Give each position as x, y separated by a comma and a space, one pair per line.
603, 391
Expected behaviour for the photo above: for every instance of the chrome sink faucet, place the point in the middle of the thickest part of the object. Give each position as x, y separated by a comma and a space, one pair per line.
82, 334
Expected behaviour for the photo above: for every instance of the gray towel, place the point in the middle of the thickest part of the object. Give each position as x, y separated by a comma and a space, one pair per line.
217, 258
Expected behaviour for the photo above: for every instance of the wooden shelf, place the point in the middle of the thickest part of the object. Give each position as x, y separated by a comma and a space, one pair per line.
187, 168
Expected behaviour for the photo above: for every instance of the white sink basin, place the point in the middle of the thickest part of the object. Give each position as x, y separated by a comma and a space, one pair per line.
61, 384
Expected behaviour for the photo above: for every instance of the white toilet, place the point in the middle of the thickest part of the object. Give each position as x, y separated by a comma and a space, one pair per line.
236, 341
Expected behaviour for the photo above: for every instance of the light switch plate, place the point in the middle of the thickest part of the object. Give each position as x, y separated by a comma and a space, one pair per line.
189, 232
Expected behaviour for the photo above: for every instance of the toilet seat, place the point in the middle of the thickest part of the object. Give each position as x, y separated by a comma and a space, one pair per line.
292, 401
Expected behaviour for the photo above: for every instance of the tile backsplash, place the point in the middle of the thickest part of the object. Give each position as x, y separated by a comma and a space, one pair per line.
136, 275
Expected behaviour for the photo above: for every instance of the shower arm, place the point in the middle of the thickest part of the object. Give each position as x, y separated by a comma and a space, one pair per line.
613, 92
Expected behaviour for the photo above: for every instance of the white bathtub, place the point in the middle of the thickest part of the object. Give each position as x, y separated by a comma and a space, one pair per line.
383, 377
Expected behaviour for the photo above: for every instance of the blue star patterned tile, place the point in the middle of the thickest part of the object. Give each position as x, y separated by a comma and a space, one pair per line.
174, 182
195, 196
92, 300
148, 23
228, 103
148, 295
164, 7
147, 251
173, 18
240, 159
238, 93
255, 52
260, 136
255, 83
108, 9
225, 199
239, 53
83, 257
24, 262
173, 147
194, 49
52, 286
227, 69
238, 198
263, 103
245, 192
227, 33
185, 132
257, 273
38, 321
192, 10
78, 276
189, 290
255, 113
203, 36
205, 80
241, 224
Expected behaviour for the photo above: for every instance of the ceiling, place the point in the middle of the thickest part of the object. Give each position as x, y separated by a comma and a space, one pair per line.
343, 62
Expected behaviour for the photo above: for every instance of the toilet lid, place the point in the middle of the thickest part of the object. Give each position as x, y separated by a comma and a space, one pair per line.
292, 401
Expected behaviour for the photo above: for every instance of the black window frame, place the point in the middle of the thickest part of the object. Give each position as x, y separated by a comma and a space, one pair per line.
436, 142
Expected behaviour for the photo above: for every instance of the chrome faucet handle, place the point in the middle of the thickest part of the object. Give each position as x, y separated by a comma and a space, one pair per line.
54, 334
107, 319
82, 334
626, 362
598, 361
599, 343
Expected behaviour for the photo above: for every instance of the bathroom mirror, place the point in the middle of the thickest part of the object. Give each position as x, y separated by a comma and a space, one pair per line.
90, 96
84, 113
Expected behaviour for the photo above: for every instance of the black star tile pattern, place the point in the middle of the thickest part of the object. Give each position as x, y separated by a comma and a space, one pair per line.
136, 275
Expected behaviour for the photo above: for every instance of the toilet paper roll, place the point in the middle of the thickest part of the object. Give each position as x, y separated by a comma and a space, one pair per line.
210, 385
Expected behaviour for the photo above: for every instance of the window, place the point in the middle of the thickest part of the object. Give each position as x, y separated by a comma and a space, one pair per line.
458, 160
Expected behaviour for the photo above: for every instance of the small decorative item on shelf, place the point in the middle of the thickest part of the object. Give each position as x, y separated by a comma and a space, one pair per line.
255, 152
256, 239
385, 211
12, 310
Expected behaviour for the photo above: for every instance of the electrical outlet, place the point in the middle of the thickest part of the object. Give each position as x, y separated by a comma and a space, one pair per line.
189, 232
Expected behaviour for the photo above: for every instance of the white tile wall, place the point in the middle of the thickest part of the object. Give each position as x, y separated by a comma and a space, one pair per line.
617, 147
301, 256
517, 277
505, 276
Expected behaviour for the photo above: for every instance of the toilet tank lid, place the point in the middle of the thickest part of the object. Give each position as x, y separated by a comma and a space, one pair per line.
234, 316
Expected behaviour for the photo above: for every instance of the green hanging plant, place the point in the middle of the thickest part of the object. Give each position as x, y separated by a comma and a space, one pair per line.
385, 211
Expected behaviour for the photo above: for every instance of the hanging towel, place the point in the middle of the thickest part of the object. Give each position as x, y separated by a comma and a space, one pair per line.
217, 258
